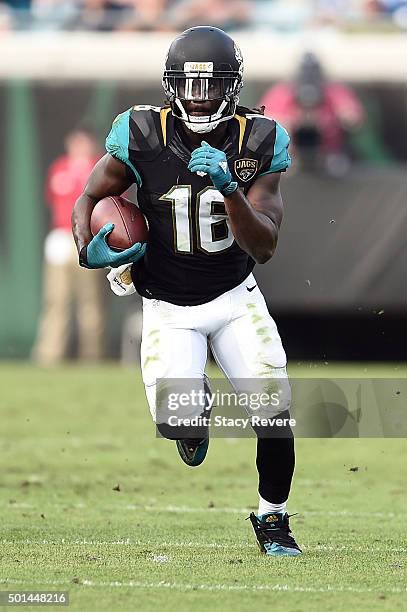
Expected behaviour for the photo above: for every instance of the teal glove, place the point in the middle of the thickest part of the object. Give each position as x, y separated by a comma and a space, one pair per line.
213, 162
98, 253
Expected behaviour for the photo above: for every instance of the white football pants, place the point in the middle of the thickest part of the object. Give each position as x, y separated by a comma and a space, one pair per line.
239, 329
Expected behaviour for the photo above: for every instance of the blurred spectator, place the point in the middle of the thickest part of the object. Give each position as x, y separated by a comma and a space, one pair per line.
157, 15
21, 13
64, 280
318, 114
388, 6
397, 9
6, 18
332, 12
53, 14
18, 5
286, 15
229, 15
102, 15
148, 15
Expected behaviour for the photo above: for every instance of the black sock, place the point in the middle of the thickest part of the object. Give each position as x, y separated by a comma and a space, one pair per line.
275, 462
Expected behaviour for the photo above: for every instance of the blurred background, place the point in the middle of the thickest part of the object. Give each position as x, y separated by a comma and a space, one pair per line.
332, 71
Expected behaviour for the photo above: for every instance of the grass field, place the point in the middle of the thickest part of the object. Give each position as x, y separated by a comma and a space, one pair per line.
175, 537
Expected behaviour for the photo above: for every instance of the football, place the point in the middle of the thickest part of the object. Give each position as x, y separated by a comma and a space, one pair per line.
130, 225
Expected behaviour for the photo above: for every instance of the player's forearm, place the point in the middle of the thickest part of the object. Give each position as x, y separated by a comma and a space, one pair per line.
254, 232
108, 177
81, 215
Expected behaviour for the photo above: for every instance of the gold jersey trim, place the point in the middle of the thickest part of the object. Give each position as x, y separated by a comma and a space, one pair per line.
163, 118
242, 128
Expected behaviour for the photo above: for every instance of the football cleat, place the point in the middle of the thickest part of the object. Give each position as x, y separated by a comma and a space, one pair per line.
193, 451
273, 534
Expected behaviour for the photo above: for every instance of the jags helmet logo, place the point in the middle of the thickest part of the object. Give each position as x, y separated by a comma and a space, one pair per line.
245, 169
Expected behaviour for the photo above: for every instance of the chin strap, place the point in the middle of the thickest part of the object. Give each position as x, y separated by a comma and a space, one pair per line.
202, 128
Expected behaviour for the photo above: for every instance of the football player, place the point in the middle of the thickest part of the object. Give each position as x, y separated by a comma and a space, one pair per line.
208, 175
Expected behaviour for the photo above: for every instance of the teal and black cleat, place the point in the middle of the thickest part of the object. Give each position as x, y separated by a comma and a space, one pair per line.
193, 451
273, 534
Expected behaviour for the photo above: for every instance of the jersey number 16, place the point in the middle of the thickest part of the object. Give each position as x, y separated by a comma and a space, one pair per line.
212, 226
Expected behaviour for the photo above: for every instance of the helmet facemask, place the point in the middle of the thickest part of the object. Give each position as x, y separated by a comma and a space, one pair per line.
199, 83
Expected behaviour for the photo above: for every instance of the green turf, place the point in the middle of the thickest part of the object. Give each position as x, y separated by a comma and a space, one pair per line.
70, 435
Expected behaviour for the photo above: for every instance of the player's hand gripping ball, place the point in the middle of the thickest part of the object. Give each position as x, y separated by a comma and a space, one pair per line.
100, 255
214, 163
120, 232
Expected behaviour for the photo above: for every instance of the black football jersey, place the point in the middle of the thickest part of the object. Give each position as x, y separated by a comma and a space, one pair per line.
191, 256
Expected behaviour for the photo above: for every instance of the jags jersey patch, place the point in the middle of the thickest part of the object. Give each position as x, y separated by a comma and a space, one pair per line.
245, 168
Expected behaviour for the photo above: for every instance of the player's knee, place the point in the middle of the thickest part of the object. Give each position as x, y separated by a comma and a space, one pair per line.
269, 398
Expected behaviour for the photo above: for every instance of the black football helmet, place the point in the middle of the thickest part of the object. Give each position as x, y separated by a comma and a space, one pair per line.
203, 63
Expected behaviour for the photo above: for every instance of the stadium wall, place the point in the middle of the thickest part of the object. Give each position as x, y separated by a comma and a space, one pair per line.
368, 57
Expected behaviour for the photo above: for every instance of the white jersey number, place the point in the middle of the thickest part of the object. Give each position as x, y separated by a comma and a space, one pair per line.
213, 232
